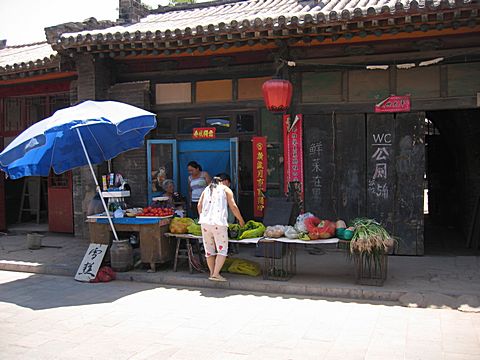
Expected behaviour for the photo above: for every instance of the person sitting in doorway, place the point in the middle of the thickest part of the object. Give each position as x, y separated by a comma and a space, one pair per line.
197, 182
213, 210
169, 187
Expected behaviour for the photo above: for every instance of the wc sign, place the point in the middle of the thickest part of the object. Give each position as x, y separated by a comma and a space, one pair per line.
204, 133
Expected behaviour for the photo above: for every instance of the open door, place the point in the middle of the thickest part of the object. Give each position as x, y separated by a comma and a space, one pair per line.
60, 203
234, 167
162, 164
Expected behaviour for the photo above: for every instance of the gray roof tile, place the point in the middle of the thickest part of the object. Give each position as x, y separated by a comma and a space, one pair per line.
230, 17
26, 57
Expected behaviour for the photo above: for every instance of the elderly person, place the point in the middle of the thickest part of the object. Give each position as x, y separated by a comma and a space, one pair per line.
213, 209
169, 187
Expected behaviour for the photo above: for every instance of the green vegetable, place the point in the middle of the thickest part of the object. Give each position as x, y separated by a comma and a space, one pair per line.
234, 231
194, 229
252, 229
305, 237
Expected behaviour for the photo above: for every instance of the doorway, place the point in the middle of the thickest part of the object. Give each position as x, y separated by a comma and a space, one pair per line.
168, 159
452, 182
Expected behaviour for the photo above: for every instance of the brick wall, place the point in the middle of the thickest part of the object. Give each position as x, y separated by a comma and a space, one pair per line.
94, 79
131, 11
133, 164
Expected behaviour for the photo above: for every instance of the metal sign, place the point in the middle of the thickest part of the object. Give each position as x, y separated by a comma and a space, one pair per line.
394, 104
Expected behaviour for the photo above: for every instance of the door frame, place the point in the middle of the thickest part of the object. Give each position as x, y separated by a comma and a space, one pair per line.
149, 163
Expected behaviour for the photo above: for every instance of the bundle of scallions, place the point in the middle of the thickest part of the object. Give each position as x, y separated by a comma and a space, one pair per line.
370, 237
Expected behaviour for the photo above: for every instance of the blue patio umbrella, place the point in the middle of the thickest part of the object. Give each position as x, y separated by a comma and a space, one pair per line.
88, 133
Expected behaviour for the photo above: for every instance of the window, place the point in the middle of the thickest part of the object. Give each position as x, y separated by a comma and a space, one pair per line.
221, 123
214, 90
245, 123
13, 114
173, 93
187, 124
36, 109
164, 125
251, 88
161, 165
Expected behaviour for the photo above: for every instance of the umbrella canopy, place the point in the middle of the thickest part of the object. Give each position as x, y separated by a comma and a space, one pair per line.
107, 129
88, 133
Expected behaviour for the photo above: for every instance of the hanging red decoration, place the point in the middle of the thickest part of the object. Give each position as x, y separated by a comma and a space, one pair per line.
277, 94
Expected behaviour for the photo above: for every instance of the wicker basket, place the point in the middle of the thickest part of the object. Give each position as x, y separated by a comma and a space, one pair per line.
370, 269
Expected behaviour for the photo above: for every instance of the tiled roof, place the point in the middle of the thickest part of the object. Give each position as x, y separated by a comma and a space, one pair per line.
27, 57
237, 16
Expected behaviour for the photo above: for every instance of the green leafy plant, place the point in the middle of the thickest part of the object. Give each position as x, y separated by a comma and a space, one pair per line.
368, 248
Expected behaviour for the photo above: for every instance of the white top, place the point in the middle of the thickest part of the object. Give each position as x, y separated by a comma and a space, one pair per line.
197, 186
214, 206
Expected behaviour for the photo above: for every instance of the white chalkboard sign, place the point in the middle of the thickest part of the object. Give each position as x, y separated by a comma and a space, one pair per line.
91, 262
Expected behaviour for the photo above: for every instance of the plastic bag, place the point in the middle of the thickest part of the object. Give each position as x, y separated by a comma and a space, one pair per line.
245, 267
291, 233
300, 223
276, 231
104, 274
180, 225
252, 229
194, 229
234, 231
320, 229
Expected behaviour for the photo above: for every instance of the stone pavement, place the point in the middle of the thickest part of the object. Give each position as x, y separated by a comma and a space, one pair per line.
54, 317
428, 281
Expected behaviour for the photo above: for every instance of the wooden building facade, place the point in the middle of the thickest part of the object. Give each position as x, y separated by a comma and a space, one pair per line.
203, 65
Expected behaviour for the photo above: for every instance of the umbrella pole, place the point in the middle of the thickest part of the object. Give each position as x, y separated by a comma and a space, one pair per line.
96, 184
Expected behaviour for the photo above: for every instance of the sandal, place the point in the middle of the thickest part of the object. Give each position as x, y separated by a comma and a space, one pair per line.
217, 278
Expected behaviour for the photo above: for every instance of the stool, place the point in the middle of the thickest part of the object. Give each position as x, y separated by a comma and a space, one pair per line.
187, 253
183, 254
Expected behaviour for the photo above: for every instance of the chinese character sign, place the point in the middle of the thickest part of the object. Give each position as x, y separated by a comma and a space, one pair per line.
204, 133
394, 104
259, 174
293, 150
381, 152
91, 262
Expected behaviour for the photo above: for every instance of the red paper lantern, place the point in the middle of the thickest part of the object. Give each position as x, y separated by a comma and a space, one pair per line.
277, 94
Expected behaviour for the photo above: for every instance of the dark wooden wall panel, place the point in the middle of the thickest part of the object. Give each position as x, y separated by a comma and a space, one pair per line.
421, 83
381, 168
368, 85
409, 149
350, 166
322, 87
319, 160
463, 79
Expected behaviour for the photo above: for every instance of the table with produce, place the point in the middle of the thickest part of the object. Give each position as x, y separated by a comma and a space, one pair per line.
307, 230
148, 224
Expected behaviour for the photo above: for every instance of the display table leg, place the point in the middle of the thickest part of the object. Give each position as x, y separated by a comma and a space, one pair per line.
190, 254
175, 260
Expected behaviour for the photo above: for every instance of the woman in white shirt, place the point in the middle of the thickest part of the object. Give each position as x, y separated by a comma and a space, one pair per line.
198, 180
213, 209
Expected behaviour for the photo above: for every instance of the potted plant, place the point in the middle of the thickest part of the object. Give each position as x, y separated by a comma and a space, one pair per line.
369, 249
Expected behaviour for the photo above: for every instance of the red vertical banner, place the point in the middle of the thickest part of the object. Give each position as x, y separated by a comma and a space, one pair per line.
259, 174
293, 150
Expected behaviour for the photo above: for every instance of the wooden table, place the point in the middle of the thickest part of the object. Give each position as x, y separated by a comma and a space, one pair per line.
155, 247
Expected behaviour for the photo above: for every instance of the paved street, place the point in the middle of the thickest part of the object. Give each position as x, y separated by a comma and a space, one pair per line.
47, 317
